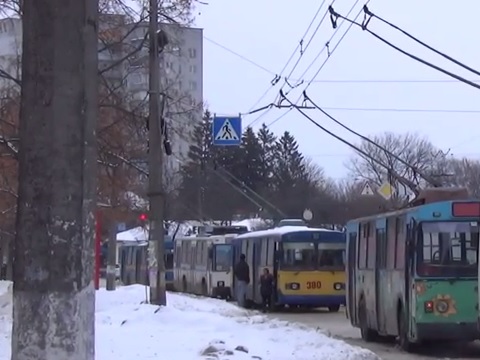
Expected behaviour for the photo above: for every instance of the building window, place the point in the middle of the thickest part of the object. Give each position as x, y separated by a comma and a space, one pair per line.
193, 69
193, 85
192, 53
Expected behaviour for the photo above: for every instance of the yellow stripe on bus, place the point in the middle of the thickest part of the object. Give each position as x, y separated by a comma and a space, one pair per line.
311, 282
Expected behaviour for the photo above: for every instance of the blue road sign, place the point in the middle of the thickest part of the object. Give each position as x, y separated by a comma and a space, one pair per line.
227, 130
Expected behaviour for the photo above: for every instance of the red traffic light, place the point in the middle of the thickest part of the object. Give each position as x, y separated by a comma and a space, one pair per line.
143, 217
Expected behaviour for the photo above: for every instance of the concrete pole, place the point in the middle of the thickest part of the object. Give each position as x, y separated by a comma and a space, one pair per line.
53, 292
155, 159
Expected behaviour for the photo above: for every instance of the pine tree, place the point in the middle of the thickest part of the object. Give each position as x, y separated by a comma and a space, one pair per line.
204, 194
292, 185
290, 162
250, 160
267, 142
194, 171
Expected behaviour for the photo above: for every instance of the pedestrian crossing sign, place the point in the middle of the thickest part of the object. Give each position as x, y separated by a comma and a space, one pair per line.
227, 130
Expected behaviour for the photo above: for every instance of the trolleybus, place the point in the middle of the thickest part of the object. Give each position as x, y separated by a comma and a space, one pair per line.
308, 265
413, 273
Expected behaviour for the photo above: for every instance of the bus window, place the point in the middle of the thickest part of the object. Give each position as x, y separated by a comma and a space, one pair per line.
298, 254
222, 257
448, 249
271, 251
331, 256
169, 261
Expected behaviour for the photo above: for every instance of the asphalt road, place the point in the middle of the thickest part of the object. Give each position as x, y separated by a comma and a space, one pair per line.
338, 326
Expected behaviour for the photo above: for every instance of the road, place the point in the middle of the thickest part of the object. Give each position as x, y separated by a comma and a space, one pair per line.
338, 326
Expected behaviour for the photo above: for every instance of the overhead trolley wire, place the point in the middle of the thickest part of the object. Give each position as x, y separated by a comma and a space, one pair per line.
303, 50
278, 77
327, 47
337, 81
314, 60
448, 57
335, 16
363, 137
401, 179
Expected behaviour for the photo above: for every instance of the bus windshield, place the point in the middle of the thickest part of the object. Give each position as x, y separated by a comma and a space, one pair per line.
222, 257
298, 255
448, 249
331, 256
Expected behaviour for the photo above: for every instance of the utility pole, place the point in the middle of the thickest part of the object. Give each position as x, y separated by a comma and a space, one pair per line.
112, 240
156, 192
53, 293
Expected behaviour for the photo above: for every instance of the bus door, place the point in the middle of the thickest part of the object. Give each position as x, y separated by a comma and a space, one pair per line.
255, 266
250, 253
351, 276
381, 281
408, 235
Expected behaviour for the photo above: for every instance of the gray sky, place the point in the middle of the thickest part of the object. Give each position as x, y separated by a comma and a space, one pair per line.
267, 32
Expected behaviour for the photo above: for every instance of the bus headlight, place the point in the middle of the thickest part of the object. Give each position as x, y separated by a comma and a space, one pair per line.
292, 286
339, 286
220, 283
441, 306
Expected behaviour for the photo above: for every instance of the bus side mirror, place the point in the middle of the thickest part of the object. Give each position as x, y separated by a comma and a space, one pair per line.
210, 253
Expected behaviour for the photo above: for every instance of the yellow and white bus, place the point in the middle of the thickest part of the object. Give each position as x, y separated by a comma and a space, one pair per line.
308, 265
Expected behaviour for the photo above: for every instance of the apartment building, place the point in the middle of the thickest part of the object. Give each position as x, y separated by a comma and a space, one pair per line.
181, 78
181, 72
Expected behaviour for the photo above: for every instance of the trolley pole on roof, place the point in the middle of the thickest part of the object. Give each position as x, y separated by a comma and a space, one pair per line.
156, 191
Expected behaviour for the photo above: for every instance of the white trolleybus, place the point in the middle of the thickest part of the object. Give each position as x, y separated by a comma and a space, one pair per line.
203, 263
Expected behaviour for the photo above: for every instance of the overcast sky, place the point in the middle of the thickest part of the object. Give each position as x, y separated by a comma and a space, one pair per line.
267, 32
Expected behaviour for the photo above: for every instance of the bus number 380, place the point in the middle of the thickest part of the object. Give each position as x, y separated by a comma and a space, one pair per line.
314, 284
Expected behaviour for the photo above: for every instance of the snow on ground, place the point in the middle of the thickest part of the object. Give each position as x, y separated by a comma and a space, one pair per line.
191, 328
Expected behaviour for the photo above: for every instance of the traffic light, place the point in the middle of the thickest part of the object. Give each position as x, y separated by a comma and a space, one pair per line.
143, 217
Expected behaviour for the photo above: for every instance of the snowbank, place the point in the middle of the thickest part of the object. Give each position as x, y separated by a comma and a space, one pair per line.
195, 328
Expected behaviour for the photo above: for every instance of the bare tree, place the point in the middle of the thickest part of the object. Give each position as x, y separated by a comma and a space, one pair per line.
463, 173
121, 127
411, 148
352, 204
53, 266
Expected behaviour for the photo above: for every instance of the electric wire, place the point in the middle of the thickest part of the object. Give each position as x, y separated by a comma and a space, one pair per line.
242, 188
363, 26
240, 56
302, 52
446, 111
396, 157
278, 77
448, 57
338, 81
327, 48
401, 179
315, 59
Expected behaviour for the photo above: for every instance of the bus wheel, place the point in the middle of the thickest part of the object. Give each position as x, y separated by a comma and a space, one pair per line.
334, 308
368, 335
403, 341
